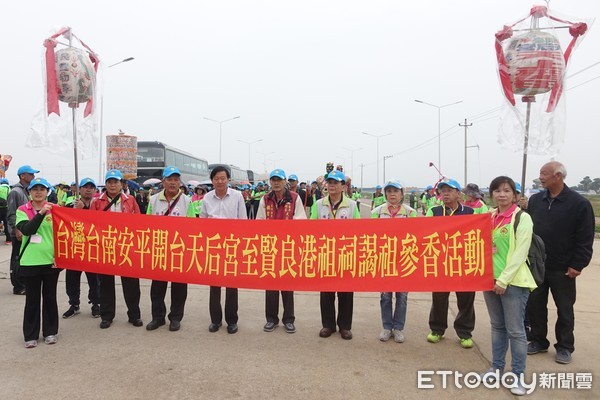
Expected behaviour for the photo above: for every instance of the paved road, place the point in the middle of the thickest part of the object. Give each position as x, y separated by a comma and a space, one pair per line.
125, 362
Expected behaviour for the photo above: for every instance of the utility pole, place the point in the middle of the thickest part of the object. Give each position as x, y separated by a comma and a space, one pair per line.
466, 126
385, 158
362, 166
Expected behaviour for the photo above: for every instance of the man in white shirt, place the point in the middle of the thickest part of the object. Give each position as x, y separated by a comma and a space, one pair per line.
223, 202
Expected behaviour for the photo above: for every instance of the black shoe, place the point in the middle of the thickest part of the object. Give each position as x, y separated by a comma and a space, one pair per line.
289, 327
95, 311
174, 326
154, 324
136, 322
270, 326
105, 324
214, 327
20, 292
71, 312
233, 328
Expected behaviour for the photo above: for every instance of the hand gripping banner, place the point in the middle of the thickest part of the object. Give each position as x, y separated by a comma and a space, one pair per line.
369, 255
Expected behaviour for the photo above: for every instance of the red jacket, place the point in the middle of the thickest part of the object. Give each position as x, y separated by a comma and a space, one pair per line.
128, 203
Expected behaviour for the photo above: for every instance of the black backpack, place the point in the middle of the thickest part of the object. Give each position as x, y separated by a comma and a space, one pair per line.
536, 258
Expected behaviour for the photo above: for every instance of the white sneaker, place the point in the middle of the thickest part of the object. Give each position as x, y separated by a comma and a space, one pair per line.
398, 336
50, 339
518, 390
30, 344
385, 335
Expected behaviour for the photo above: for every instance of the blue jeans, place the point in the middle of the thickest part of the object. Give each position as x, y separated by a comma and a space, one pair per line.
506, 317
399, 315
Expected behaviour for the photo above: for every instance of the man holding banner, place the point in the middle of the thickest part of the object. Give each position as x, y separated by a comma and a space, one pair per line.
223, 202
438, 316
114, 200
336, 206
169, 202
280, 203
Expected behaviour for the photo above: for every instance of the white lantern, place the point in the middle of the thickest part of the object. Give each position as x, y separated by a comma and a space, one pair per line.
75, 75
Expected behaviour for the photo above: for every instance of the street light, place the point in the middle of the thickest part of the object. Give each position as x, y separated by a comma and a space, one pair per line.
377, 137
221, 132
100, 166
385, 158
351, 159
249, 144
265, 158
439, 127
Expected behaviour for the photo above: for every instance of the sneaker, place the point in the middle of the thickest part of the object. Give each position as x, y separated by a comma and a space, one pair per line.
466, 343
398, 336
50, 339
95, 311
434, 337
563, 356
270, 327
518, 390
30, 344
289, 327
385, 335
534, 348
71, 312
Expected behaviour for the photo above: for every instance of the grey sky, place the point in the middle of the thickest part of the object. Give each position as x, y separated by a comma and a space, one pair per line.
306, 77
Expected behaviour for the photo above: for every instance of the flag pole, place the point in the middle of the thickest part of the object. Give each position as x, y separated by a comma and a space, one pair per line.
528, 100
73, 106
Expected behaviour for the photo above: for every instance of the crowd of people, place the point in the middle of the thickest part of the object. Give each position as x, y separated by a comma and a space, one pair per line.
517, 306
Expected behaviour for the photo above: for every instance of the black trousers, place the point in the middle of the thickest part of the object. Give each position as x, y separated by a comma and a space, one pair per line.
345, 310
14, 266
131, 293
465, 320
41, 288
3, 215
231, 305
564, 294
272, 306
158, 291
73, 286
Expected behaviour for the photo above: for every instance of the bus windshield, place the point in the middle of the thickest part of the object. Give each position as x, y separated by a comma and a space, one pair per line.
150, 157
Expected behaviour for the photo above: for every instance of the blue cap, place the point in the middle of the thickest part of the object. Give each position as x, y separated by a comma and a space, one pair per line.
73, 183
451, 183
393, 183
26, 169
429, 187
336, 176
260, 184
39, 182
170, 170
3, 181
518, 187
277, 173
378, 187
292, 177
113, 174
85, 181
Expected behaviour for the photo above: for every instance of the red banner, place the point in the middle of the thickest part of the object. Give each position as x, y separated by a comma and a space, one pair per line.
368, 255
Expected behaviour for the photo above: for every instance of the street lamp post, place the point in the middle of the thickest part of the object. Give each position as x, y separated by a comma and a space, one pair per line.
351, 159
439, 127
385, 158
249, 144
100, 165
377, 137
221, 132
265, 158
